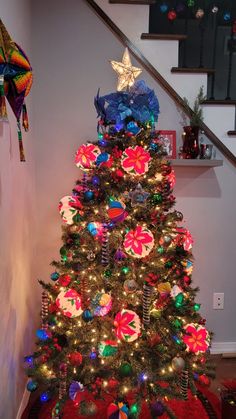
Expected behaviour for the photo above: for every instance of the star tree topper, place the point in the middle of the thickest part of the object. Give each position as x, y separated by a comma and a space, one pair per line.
126, 72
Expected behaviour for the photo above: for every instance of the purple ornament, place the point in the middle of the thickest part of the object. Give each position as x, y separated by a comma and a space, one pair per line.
102, 142
119, 256
157, 408
75, 388
96, 180
180, 8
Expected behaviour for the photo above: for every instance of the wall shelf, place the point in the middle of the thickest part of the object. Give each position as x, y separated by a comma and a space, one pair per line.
197, 162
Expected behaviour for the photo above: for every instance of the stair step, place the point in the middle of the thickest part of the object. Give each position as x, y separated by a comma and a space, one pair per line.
198, 70
219, 102
231, 133
165, 37
132, 2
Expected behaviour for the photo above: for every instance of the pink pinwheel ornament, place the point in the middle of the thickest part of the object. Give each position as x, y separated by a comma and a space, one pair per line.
86, 156
68, 208
139, 242
197, 338
69, 302
135, 160
127, 324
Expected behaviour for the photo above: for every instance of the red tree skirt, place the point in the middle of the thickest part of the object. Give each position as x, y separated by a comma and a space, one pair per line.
192, 408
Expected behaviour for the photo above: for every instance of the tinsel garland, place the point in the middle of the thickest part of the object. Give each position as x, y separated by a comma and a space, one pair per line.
84, 182
20, 142
147, 294
44, 310
3, 108
62, 385
84, 291
105, 245
184, 384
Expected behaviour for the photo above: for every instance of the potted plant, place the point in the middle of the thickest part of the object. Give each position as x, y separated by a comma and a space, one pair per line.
191, 131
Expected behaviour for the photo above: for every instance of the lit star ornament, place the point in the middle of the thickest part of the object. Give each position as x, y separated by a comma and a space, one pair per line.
126, 72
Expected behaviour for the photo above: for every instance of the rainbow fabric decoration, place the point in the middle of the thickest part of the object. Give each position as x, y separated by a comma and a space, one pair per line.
18, 78
101, 304
116, 211
117, 410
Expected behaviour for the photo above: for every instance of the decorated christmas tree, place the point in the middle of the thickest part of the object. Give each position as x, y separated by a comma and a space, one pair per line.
121, 332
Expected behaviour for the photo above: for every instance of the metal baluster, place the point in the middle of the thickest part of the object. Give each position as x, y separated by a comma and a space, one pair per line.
215, 33
185, 42
230, 46
202, 30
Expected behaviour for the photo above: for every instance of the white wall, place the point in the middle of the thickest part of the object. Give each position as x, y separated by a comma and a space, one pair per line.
68, 73
70, 52
17, 207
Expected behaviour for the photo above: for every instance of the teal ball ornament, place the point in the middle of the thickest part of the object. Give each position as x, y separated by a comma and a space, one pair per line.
32, 386
87, 316
54, 276
163, 8
88, 196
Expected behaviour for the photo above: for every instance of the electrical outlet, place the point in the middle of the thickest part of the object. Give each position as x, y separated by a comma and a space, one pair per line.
218, 300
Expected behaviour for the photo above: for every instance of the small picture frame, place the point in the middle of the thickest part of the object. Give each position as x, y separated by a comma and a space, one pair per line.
168, 139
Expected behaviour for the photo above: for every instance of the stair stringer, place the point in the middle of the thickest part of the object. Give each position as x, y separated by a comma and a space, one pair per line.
133, 20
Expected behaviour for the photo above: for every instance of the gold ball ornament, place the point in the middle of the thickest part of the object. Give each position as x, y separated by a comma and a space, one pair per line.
130, 285
178, 363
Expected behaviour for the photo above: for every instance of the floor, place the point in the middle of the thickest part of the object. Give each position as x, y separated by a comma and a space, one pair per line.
225, 370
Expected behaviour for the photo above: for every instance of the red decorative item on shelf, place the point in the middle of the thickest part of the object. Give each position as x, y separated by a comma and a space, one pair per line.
190, 142
234, 27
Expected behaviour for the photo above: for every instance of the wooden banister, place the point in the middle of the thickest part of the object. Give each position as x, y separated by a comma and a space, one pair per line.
138, 55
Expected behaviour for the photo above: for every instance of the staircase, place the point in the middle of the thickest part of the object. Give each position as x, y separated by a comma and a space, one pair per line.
129, 21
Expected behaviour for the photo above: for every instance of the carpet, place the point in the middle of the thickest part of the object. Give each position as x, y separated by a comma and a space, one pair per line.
206, 405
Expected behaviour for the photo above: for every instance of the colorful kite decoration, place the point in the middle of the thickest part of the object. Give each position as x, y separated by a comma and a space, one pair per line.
107, 348
117, 410
101, 304
164, 288
95, 228
74, 390
15, 81
139, 242
184, 238
127, 324
116, 211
